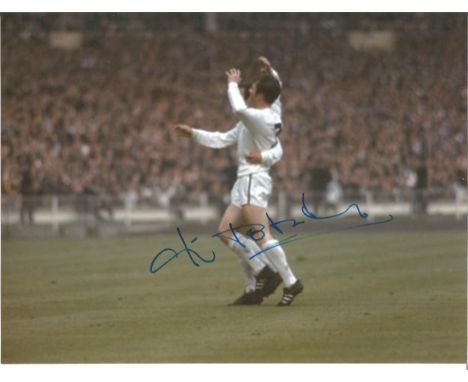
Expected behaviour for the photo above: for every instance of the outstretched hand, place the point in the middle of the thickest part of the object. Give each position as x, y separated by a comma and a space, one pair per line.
254, 156
184, 131
233, 75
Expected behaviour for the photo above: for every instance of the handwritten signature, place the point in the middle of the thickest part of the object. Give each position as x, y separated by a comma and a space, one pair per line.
256, 232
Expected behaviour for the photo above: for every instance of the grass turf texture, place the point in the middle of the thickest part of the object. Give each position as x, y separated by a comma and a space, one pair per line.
369, 297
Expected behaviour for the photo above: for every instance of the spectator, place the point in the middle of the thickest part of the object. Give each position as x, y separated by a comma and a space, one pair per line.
100, 116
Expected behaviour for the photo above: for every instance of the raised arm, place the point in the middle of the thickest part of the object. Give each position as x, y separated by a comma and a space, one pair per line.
265, 67
234, 95
253, 118
216, 139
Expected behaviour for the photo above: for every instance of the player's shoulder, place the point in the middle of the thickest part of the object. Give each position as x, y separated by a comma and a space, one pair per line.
271, 116
267, 115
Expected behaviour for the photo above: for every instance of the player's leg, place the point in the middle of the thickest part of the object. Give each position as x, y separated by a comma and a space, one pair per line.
255, 202
242, 246
257, 215
233, 216
243, 234
261, 277
254, 212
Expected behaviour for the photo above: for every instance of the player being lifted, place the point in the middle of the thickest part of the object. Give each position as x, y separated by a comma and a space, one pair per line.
258, 148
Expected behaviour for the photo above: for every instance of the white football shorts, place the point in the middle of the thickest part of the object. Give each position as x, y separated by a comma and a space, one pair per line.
252, 189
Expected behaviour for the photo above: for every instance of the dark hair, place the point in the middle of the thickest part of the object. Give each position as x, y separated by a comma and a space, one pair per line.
269, 87
245, 87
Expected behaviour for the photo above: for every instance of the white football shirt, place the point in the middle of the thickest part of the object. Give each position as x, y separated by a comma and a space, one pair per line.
257, 129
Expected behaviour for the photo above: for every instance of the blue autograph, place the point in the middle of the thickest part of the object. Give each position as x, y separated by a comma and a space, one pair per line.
189, 251
256, 232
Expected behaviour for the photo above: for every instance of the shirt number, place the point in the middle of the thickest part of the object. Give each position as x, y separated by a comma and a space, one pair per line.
278, 128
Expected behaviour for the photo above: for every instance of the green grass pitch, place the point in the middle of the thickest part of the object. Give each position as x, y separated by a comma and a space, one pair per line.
369, 297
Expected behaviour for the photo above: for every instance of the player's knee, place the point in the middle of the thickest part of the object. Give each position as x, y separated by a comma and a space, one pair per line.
224, 240
224, 236
222, 227
266, 239
259, 240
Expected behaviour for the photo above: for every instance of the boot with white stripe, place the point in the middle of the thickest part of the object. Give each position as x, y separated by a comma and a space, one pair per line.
290, 293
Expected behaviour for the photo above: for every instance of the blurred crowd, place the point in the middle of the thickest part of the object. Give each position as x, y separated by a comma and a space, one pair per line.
99, 119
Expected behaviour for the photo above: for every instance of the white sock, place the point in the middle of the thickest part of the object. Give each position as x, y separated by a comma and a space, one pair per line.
254, 248
277, 256
244, 253
248, 275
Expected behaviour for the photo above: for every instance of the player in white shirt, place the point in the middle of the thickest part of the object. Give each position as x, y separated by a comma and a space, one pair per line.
257, 130
259, 275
